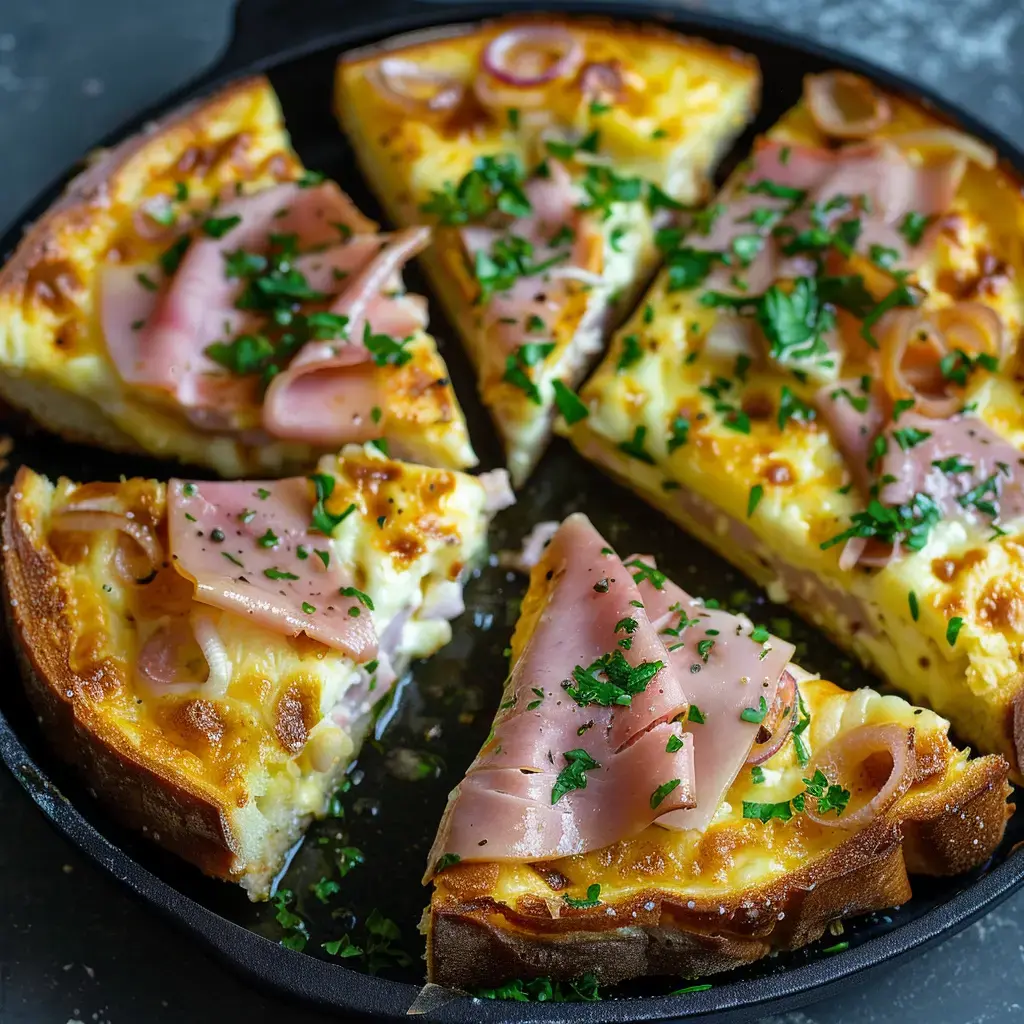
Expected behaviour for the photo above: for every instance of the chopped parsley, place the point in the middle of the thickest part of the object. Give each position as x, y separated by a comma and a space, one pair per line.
543, 990
563, 150
913, 225
828, 796
635, 446
604, 187
610, 680
631, 353
323, 520
679, 433
695, 715
912, 602
757, 775
277, 574
568, 402
386, 351
343, 947
910, 523
446, 860
573, 775
755, 715
494, 183
910, 437
675, 743
756, 494
663, 791
218, 227
792, 407
647, 572
518, 364
363, 599
953, 630
592, 898
510, 258
269, 539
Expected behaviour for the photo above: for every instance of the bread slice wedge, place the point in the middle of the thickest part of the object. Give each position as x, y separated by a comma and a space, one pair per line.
621, 127
168, 301
803, 474
216, 709
801, 837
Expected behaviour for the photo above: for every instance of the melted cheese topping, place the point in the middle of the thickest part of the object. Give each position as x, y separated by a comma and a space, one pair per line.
51, 337
682, 102
706, 484
270, 747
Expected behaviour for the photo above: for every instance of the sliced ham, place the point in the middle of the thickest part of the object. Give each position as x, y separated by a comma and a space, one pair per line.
973, 444
554, 201
593, 609
327, 394
215, 532
736, 673
507, 815
853, 430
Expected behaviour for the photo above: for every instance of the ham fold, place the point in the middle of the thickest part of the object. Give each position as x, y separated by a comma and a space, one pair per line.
157, 333
635, 756
239, 543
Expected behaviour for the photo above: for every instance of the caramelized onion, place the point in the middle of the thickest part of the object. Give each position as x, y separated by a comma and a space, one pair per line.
216, 654
779, 721
844, 105
948, 139
852, 760
602, 81
532, 55
159, 664
914, 343
89, 520
415, 88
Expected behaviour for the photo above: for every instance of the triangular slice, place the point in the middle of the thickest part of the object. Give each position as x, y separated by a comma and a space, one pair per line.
209, 655
620, 822
836, 409
546, 151
195, 294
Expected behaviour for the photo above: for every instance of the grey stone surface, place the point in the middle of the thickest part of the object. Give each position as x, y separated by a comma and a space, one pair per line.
73, 946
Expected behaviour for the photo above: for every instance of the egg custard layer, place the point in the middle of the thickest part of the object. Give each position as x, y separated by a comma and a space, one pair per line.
209, 725
855, 451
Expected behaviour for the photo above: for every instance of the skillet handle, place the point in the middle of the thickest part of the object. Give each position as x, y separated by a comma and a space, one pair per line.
265, 27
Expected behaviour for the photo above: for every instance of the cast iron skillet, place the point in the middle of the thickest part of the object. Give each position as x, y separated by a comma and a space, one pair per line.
443, 714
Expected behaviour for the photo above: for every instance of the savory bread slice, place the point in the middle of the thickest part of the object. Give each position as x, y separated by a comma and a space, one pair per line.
849, 431
812, 804
209, 655
195, 294
546, 151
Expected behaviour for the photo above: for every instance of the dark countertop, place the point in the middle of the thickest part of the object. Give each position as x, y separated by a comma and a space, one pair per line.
73, 945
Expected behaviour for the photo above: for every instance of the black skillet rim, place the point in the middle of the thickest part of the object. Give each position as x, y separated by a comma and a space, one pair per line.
333, 986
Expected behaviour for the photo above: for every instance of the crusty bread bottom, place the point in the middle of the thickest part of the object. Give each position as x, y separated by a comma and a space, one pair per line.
474, 942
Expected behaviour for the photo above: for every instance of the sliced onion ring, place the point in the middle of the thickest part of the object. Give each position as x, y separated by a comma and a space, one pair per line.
948, 139
532, 55
842, 761
416, 88
216, 654
897, 330
603, 81
157, 664
91, 520
844, 105
778, 722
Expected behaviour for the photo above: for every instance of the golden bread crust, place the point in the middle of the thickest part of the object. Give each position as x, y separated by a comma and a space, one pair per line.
141, 793
474, 941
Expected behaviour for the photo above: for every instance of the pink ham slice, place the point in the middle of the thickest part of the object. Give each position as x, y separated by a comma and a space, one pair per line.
973, 443
328, 393
852, 429
738, 672
195, 510
507, 815
538, 722
554, 200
